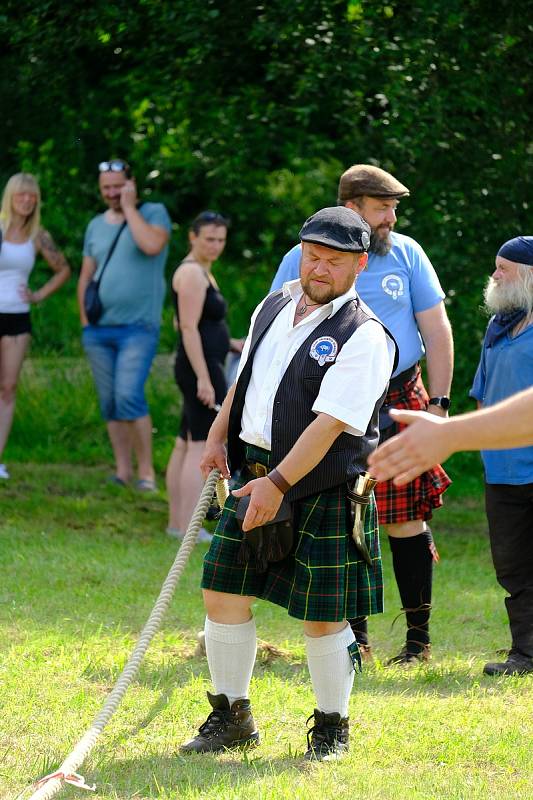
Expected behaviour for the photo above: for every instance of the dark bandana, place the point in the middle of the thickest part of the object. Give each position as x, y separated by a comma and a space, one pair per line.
501, 323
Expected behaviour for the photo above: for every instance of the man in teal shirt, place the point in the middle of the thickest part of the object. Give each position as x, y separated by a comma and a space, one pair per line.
122, 343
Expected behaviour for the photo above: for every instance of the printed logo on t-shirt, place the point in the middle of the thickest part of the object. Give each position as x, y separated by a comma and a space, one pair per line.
392, 285
324, 349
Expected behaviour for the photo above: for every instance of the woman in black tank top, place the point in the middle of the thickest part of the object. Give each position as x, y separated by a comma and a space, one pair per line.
199, 368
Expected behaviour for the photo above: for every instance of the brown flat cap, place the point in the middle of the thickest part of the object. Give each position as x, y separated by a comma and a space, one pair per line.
365, 179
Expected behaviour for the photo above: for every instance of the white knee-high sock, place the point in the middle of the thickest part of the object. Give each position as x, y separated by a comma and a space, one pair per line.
231, 653
331, 670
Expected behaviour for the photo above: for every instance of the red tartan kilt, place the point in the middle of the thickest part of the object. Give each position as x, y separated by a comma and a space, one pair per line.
417, 499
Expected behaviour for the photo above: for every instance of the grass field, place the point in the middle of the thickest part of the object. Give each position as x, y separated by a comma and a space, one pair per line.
82, 564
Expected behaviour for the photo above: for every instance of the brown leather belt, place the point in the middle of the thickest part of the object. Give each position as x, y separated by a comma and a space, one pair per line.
257, 470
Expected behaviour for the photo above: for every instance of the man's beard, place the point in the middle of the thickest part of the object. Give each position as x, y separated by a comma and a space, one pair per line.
380, 243
325, 294
502, 297
320, 295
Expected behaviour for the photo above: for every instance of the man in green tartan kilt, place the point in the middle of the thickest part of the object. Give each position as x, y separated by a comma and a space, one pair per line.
299, 425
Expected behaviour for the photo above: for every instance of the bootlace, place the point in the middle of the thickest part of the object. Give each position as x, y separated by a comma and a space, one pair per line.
216, 723
320, 735
410, 626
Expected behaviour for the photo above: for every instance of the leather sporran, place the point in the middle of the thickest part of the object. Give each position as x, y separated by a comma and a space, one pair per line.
92, 303
269, 543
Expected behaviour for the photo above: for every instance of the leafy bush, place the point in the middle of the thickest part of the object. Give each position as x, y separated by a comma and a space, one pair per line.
255, 109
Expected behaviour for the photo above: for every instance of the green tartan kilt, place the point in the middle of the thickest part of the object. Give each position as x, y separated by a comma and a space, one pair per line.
323, 579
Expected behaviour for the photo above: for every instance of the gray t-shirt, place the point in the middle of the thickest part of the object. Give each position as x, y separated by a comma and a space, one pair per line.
133, 286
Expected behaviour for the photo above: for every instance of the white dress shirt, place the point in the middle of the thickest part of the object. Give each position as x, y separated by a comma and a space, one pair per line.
351, 386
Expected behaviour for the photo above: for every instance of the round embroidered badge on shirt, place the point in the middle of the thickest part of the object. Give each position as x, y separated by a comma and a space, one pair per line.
324, 349
392, 285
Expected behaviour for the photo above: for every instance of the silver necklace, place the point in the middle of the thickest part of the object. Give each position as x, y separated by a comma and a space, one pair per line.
301, 311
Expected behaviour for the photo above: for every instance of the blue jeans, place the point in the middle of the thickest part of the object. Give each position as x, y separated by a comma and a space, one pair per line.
120, 357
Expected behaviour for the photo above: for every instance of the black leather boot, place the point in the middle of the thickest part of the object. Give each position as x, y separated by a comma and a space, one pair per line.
225, 728
328, 739
516, 664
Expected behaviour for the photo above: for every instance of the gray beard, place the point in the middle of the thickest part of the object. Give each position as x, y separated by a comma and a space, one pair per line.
380, 246
500, 298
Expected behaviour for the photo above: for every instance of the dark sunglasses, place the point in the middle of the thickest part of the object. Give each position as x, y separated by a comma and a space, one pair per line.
113, 166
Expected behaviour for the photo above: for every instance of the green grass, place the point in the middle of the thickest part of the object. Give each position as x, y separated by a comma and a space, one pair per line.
57, 418
82, 564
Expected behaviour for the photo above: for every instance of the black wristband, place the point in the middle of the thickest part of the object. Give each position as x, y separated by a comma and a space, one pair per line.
443, 402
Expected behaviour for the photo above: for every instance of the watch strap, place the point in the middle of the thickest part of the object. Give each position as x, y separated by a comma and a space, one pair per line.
443, 402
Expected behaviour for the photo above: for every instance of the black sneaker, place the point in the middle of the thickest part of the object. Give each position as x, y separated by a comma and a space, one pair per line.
407, 658
516, 664
328, 739
225, 728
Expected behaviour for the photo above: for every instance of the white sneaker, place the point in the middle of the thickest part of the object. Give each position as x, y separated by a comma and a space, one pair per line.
3, 472
204, 536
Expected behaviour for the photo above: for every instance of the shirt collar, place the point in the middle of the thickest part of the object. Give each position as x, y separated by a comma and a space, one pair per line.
293, 289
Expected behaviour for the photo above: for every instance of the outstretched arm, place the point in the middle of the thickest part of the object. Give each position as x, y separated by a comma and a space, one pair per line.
430, 440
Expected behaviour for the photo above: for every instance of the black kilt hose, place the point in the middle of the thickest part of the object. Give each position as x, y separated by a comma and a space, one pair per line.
324, 579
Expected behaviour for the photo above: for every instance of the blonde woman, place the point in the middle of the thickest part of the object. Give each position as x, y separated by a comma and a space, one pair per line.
22, 240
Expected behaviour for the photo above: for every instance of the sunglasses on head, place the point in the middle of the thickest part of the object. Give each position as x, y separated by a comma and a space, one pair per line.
211, 216
113, 166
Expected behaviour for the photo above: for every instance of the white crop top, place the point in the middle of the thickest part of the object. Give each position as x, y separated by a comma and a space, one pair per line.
16, 264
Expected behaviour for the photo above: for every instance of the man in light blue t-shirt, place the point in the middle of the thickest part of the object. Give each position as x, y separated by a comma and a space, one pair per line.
127, 248
403, 290
506, 367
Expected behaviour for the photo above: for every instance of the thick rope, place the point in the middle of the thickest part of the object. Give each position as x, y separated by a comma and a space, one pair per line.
67, 772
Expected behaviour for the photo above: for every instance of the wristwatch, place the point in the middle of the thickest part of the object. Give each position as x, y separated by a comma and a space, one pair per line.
443, 402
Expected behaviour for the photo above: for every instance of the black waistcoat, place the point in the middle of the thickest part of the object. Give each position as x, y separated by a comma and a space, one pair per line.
294, 399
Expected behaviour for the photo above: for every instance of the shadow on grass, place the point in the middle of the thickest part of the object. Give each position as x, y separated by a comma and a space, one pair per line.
445, 679
172, 775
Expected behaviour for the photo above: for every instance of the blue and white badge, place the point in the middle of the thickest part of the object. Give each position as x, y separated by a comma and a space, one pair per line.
324, 349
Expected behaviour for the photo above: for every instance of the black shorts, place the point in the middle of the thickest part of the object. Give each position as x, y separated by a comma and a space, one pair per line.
15, 324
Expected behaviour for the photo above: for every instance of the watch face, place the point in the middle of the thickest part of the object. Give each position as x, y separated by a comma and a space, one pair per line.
443, 402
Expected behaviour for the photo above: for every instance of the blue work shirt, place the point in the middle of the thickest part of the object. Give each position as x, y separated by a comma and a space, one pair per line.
504, 369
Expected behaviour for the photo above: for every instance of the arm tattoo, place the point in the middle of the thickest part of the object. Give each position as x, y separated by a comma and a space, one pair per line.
50, 251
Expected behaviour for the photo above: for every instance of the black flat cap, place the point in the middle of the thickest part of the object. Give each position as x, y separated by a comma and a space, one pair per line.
339, 228
365, 179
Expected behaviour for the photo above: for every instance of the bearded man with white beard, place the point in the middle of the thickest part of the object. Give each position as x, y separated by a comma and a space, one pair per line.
506, 367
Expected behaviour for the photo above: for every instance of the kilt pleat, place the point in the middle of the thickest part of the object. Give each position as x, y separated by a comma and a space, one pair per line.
415, 500
323, 579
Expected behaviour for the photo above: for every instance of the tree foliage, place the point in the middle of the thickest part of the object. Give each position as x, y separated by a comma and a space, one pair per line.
255, 108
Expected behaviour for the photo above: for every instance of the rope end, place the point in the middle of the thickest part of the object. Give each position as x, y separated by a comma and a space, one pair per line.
69, 777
